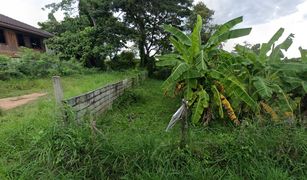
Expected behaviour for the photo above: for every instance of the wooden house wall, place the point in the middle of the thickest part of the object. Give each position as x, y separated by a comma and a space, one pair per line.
11, 46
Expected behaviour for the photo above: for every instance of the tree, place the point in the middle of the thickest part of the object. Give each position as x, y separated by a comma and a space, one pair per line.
136, 20
90, 36
145, 18
206, 15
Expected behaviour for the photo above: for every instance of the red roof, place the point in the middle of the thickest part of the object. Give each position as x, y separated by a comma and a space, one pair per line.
10, 23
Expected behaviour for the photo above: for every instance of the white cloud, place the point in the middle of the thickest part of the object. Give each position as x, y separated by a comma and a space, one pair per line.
294, 23
27, 11
265, 17
254, 11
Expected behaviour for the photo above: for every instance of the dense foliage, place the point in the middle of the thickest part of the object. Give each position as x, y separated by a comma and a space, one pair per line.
102, 28
242, 84
36, 64
125, 60
129, 143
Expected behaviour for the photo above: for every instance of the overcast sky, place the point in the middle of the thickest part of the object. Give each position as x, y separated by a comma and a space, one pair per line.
264, 16
27, 11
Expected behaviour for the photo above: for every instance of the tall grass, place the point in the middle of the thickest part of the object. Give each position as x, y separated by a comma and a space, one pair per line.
72, 85
22, 128
131, 144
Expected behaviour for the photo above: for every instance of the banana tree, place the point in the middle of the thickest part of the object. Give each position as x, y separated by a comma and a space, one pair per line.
207, 91
272, 78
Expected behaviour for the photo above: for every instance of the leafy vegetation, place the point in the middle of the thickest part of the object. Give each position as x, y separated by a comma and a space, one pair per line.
212, 79
23, 126
129, 142
204, 85
255, 87
275, 82
34, 64
101, 29
126, 60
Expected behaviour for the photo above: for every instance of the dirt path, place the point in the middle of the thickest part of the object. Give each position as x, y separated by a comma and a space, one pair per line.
12, 102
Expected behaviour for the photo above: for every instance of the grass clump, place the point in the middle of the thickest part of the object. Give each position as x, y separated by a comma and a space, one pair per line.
22, 129
131, 144
1, 112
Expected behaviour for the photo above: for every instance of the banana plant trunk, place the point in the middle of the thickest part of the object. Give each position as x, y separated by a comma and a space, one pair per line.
184, 126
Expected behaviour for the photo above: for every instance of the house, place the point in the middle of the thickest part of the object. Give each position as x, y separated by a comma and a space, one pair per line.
15, 34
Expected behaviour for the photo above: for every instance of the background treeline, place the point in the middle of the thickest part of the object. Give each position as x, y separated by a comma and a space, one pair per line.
94, 31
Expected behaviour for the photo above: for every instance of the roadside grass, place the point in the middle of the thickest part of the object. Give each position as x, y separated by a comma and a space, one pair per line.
131, 144
21, 127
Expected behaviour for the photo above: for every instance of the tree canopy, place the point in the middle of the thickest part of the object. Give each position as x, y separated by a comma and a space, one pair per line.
101, 28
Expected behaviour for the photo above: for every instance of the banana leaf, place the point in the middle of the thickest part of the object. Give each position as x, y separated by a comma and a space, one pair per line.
178, 34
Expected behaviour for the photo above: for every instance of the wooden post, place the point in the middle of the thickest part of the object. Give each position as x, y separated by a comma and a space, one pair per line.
58, 91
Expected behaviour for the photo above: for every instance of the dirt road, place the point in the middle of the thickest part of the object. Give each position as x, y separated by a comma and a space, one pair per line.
12, 102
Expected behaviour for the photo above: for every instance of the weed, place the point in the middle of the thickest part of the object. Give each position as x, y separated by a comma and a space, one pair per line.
141, 149
1, 112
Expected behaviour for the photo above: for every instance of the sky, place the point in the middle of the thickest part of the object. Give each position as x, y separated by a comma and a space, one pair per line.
27, 11
264, 16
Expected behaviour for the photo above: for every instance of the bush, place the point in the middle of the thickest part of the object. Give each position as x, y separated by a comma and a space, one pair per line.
130, 97
36, 64
162, 73
123, 61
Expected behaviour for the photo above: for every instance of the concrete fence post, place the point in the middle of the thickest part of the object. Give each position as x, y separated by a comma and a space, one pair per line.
58, 91
58, 94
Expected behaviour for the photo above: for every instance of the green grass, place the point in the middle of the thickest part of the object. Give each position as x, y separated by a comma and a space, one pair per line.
20, 127
132, 144
72, 85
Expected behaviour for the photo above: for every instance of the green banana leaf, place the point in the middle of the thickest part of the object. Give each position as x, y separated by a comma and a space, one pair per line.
173, 78
178, 34
195, 37
201, 103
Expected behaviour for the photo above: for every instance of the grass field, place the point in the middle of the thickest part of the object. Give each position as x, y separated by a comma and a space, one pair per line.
72, 85
131, 144
21, 126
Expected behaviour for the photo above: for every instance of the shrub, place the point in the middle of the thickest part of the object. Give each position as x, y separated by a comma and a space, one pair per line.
123, 61
36, 64
162, 73
129, 98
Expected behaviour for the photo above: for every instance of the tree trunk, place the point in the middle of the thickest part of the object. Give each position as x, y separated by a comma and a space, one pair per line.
142, 53
146, 61
150, 65
184, 128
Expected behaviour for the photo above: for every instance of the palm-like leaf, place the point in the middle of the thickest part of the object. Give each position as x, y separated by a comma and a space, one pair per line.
217, 100
223, 29
178, 34
200, 105
182, 49
231, 35
266, 47
168, 60
195, 36
236, 90
262, 87
173, 78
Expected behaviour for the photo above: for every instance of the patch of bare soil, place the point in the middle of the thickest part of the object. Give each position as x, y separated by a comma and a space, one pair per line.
13, 102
